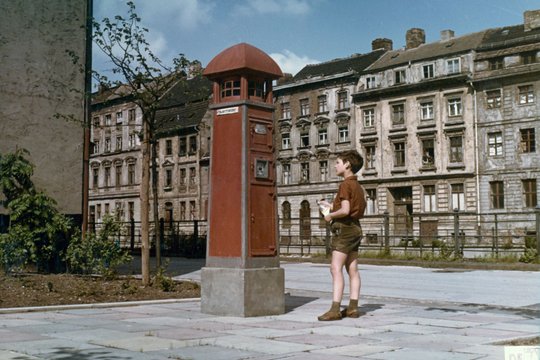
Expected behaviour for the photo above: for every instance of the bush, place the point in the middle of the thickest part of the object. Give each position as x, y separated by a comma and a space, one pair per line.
97, 253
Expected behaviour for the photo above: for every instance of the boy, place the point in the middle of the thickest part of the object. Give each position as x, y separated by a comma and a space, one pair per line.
348, 207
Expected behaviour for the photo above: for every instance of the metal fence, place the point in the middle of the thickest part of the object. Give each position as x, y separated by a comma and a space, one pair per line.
465, 233
177, 238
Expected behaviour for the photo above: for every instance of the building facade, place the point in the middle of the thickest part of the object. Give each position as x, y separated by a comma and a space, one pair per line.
506, 85
315, 119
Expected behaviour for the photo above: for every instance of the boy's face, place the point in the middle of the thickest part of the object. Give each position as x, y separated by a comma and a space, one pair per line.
341, 167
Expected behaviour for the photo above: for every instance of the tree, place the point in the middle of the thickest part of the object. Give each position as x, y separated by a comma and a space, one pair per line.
147, 78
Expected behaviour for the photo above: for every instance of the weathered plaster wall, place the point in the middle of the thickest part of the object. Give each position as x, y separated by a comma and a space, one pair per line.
38, 81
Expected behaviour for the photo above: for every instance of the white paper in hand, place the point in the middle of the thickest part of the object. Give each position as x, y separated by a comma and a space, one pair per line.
325, 209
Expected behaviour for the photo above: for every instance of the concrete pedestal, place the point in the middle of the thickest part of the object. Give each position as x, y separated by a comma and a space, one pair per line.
242, 292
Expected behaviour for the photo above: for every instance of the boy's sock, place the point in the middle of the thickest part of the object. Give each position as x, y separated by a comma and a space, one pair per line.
353, 304
351, 310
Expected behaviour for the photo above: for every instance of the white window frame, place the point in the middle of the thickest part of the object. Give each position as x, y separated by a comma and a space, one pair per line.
453, 66
370, 82
427, 110
343, 133
495, 143
455, 106
430, 69
286, 169
369, 117
285, 141
430, 199
323, 136
458, 197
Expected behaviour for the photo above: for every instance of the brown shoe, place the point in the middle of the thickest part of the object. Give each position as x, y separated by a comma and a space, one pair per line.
330, 316
351, 313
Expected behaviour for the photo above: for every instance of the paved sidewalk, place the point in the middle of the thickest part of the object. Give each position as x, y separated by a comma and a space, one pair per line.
392, 328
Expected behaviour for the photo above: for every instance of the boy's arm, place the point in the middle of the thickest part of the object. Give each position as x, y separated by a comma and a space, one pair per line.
342, 212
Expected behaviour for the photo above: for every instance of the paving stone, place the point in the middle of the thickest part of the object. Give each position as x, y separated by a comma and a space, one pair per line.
145, 343
342, 330
416, 354
12, 355
355, 350
208, 352
321, 340
258, 344
185, 334
491, 334
7, 322
89, 335
7, 336
410, 328
47, 346
489, 351
438, 342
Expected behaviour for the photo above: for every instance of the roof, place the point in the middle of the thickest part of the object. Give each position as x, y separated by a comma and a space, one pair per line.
509, 36
357, 63
185, 91
110, 94
181, 117
436, 49
242, 56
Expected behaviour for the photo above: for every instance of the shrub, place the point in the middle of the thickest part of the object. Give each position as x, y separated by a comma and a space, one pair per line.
97, 253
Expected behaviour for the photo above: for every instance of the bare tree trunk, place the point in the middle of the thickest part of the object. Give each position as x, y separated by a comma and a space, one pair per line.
145, 204
155, 204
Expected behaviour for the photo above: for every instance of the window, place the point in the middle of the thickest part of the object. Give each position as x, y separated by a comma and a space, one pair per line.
370, 157
399, 154
528, 140
323, 168
96, 147
107, 176
427, 71
192, 176
495, 144
95, 121
428, 152
168, 147
322, 104
497, 194
529, 57
192, 145
304, 107
95, 178
526, 94
285, 141
456, 149
430, 199
131, 174
286, 210
398, 114
168, 178
98, 211
131, 210
182, 210
371, 205
118, 176
118, 143
493, 99
119, 117
108, 120
323, 136
426, 110
230, 88
529, 192
107, 144
131, 115
454, 107
343, 100
304, 171
183, 174
286, 110
304, 139
182, 148
192, 210
453, 66
255, 89
399, 76
496, 64
286, 174
132, 140
458, 197
370, 82
343, 133
369, 118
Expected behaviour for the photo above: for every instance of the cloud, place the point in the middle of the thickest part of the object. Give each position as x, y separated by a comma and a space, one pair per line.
290, 7
289, 62
181, 14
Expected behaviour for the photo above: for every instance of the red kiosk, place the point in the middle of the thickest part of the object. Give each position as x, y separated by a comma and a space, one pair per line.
242, 276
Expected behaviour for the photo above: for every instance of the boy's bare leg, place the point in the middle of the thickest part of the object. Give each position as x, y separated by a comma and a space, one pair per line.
338, 283
351, 265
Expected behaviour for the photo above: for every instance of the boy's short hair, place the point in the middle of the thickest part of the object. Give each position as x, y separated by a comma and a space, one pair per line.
354, 158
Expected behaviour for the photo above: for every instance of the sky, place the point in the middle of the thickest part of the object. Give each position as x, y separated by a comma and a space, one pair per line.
300, 32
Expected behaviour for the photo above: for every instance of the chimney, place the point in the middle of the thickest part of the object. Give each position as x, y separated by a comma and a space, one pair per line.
287, 77
447, 35
381, 43
414, 38
531, 20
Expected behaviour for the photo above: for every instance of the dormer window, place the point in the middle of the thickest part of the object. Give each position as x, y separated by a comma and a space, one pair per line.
286, 110
400, 76
427, 71
343, 100
304, 107
256, 89
529, 58
453, 66
322, 104
370, 82
496, 64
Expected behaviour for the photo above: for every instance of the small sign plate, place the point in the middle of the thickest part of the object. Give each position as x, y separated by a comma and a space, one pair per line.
226, 111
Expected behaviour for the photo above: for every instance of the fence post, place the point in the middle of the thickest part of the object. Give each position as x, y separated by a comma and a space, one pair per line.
386, 232
537, 210
456, 233
496, 237
132, 235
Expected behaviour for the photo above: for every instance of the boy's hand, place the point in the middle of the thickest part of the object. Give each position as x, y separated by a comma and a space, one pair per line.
328, 218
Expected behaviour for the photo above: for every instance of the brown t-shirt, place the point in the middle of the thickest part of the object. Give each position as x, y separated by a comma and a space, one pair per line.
351, 190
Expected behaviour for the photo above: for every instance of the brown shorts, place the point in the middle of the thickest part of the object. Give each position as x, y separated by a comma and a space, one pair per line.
346, 237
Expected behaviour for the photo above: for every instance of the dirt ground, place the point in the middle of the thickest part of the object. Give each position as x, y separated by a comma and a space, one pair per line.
52, 289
